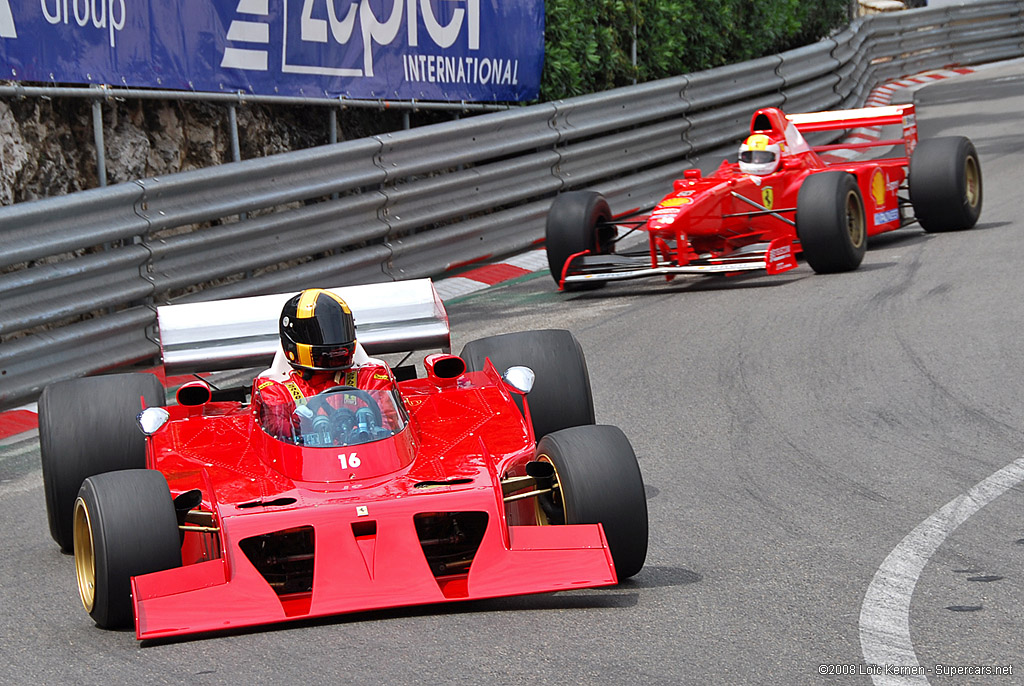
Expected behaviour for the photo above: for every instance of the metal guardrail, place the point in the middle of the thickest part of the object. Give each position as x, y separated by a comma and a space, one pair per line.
81, 274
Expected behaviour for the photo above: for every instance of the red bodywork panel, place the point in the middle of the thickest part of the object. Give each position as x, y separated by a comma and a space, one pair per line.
730, 221
353, 522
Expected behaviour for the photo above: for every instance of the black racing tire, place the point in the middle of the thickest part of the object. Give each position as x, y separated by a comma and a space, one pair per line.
945, 184
831, 222
87, 426
577, 221
561, 396
124, 526
599, 481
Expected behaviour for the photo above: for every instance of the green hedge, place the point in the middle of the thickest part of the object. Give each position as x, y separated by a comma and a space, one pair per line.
588, 42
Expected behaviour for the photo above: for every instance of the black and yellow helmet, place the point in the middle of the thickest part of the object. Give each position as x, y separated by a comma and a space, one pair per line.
318, 332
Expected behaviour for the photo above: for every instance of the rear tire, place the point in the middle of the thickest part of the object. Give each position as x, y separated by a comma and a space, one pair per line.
561, 395
599, 481
945, 184
831, 222
124, 526
577, 222
87, 426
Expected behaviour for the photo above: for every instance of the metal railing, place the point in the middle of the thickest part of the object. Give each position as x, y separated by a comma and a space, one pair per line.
80, 274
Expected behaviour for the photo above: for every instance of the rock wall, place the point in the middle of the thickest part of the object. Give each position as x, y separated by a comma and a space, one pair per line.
47, 145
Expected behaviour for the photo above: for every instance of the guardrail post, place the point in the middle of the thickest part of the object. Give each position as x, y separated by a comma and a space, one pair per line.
236, 153
97, 134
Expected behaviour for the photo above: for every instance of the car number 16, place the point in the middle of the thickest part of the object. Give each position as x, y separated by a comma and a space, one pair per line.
349, 461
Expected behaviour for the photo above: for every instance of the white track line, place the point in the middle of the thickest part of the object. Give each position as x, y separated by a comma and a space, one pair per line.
885, 612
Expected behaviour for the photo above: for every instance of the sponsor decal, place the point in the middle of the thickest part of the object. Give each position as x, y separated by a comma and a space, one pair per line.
381, 377
779, 256
676, 202
664, 216
878, 186
296, 392
264, 385
768, 197
886, 217
362, 511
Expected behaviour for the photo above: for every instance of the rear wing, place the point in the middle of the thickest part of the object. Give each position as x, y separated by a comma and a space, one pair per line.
864, 118
394, 317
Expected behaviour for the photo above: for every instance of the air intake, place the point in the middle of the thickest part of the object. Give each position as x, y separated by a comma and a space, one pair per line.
285, 560
450, 541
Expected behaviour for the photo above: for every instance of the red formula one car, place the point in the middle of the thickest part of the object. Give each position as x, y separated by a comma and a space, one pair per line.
781, 198
484, 477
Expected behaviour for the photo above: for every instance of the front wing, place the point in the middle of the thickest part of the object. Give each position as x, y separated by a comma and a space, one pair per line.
368, 557
773, 258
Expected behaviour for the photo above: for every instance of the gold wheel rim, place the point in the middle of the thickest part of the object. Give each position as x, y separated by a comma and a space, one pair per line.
556, 493
85, 555
973, 182
855, 219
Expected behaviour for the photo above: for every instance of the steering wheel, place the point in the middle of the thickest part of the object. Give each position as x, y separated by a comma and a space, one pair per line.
319, 402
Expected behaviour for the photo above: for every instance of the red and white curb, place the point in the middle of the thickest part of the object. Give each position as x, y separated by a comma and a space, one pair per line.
24, 419
18, 421
492, 274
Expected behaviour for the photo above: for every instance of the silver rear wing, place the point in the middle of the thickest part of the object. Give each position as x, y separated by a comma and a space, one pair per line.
393, 317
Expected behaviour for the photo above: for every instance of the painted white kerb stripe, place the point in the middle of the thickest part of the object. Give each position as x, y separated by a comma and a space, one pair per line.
885, 612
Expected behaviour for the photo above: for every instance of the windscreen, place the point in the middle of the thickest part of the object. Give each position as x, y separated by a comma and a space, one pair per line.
336, 417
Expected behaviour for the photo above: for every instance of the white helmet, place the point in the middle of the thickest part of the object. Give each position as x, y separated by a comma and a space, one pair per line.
759, 155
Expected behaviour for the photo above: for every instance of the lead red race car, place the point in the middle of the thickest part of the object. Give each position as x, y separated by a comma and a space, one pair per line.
782, 198
482, 474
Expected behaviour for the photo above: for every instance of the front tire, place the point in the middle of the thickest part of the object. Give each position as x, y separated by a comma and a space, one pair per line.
945, 184
87, 426
599, 481
561, 395
831, 222
577, 221
124, 526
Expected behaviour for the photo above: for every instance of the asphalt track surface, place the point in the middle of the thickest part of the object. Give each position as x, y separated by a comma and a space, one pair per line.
803, 438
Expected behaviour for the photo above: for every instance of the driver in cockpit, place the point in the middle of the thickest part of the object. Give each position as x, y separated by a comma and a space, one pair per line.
318, 351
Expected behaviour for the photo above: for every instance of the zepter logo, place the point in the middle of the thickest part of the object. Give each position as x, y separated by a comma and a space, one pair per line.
321, 23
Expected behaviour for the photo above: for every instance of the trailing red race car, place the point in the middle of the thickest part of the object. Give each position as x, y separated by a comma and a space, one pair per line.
780, 198
465, 483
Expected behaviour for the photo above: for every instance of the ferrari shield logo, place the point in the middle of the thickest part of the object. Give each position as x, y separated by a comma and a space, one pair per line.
767, 197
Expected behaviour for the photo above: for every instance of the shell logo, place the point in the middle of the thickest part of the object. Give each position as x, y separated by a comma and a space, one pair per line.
878, 182
676, 202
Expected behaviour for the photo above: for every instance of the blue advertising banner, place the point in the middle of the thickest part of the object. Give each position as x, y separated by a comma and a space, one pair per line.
450, 50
